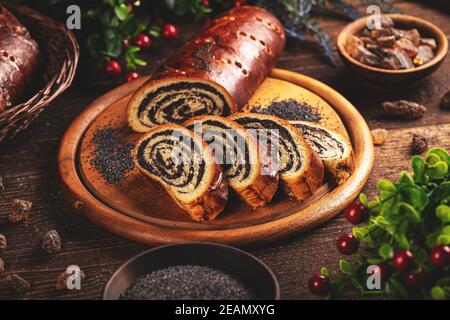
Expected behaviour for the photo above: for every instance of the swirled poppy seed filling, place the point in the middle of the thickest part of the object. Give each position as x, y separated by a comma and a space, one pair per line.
177, 102
231, 149
324, 143
173, 157
289, 157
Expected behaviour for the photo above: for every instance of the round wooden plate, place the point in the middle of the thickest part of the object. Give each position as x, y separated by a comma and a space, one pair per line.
138, 209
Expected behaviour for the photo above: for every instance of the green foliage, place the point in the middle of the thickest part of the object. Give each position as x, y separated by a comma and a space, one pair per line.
411, 213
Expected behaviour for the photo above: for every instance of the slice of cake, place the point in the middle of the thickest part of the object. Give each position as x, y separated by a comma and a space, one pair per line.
247, 168
301, 169
185, 167
332, 147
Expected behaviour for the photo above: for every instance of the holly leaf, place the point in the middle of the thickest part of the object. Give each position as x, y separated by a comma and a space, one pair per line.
346, 267
121, 11
441, 153
395, 290
415, 196
359, 232
418, 166
443, 213
363, 199
387, 186
441, 193
405, 179
410, 212
324, 271
402, 241
443, 239
438, 170
438, 293
386, 251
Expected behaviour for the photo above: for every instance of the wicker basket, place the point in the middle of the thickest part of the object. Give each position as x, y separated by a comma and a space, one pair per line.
60, 57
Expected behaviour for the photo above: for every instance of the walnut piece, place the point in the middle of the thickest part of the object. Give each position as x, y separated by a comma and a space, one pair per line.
20, 211
51, 243
419, 144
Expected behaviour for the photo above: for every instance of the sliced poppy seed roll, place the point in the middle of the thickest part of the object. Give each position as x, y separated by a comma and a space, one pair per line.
174, 100
301, 169
332, 147
185, 167
248, 170
213, 74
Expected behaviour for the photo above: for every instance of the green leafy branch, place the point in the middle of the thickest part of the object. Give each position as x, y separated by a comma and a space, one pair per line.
414, 214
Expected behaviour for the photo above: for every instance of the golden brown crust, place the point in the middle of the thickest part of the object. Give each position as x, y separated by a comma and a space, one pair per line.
343, 169
313, 173
235, 52
207, 205
307, 183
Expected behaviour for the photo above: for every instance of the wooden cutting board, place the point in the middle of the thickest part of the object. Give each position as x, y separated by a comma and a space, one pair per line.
139, 209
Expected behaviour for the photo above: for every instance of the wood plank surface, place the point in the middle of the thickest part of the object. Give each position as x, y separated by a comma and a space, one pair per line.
29, 170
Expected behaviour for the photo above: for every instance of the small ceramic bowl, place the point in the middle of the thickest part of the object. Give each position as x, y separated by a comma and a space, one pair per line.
386, 78
249, 270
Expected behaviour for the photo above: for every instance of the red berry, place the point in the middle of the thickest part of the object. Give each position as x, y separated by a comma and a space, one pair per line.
347, 243
143, 41
356, 213
415, 279
403, 260
130, 76
113, 68
205, 3
126, 43
319, 285
170, 32
440, 256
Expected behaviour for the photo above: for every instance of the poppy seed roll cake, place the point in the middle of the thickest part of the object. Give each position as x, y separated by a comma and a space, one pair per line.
301, 170
213, 74
332, 147
185, 167
249, 171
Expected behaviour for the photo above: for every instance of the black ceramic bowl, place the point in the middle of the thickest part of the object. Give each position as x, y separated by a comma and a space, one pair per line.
252, 272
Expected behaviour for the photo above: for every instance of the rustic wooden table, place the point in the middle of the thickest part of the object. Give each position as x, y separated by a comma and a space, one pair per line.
29, 170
